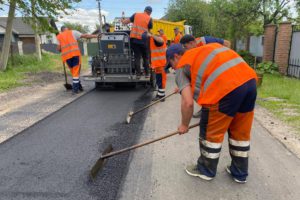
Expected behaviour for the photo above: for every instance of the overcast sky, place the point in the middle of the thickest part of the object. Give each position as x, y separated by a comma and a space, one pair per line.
87, 11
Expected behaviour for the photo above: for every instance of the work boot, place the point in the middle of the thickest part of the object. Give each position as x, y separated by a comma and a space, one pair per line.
192, 170
241, 181
158, 97
80, 88
197, 114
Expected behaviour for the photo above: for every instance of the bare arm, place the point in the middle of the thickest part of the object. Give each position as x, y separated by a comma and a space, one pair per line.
158, 39
125, 21
227, 43
187, 106
88, 36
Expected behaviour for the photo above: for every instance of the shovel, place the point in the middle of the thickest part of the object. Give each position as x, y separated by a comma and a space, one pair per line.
108, 151
67, 85
131, 113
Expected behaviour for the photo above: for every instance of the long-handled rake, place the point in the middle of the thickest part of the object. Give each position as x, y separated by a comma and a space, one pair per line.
108, 151
131, 113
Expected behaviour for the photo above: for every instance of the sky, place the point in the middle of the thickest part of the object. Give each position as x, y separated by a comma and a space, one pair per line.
87, 10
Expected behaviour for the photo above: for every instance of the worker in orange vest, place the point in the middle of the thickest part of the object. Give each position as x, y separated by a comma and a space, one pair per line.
178, 36
158, 48
189, 42
162, 34
70, 53
142, 22
219, 80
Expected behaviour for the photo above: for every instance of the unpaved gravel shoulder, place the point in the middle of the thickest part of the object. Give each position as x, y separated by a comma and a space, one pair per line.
286, 134
24, 106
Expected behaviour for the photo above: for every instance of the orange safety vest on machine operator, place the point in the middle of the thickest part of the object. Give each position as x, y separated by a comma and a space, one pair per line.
68, 44
215, 72
140, 25
158, 54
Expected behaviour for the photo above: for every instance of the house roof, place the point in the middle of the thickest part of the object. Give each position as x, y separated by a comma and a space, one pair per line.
20, 27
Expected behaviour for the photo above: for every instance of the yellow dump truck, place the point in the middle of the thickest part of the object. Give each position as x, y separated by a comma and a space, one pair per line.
167, 26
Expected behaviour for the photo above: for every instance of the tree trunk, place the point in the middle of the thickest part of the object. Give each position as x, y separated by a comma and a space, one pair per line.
37, 40
8, 35
38, 50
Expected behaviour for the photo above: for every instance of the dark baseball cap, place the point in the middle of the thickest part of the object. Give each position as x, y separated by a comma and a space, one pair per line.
171, 51
186, 39
149, 9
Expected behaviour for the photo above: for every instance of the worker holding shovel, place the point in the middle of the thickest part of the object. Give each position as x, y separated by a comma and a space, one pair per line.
220, 81
70, 53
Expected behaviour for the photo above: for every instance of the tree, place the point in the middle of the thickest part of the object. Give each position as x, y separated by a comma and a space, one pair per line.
195, 12
78, 27
42, 8
273, 11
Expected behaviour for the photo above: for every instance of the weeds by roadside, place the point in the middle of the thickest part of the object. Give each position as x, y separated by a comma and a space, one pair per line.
24, 66
281, 95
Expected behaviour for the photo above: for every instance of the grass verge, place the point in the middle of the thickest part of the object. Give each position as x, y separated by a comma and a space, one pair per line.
15, 74
281, 96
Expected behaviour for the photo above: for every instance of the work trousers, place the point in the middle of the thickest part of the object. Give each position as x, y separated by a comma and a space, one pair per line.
140, 51
161, 80
74, 65
234, 114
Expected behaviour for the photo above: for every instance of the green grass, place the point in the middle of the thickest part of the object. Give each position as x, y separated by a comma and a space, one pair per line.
15, 74
287, 90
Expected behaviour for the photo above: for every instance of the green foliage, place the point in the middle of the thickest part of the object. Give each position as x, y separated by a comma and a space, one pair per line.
15, 74
78, 27
267, 68
195, 12
248, 57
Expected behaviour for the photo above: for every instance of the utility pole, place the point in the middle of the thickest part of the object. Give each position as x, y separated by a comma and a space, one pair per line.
100, 15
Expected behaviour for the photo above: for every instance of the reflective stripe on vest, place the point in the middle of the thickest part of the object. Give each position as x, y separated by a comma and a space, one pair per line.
139, 27
159, 50
203, 67
220, 70
70, 51
158, 58
69, 45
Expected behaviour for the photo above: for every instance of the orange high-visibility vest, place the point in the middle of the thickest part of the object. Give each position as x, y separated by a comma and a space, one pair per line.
68, 44
215, 72
158, 54
177, 38
200, 41
140, 25
165, 38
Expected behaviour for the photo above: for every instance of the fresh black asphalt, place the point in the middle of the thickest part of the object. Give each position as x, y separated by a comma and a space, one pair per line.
52, 159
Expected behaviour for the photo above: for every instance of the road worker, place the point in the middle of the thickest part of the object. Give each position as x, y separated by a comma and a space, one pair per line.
178, 36
162, 34
158, 48
189, 42
219, 80
70, 53
142, 22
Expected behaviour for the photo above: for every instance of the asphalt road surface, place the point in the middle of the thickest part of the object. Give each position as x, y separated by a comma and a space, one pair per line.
52, 159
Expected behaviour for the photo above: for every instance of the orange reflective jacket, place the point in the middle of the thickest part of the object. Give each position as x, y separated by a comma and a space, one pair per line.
140, 25
158, 54
68, 44
215, 71
177, 38
165, 38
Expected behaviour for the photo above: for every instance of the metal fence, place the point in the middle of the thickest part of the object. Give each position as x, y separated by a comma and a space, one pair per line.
294, 57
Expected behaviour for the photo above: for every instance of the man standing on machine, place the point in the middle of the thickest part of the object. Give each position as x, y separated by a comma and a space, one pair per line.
70, 53
142, 22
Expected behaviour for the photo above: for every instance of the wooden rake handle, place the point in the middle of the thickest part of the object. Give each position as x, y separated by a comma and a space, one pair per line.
143, 144
155, 102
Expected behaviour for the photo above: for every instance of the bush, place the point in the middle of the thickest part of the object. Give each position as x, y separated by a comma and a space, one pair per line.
267, 68
247, 56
